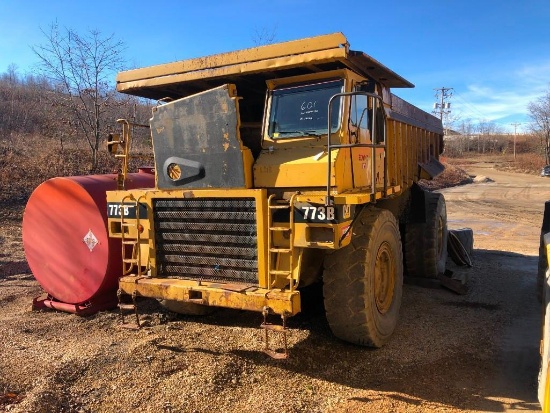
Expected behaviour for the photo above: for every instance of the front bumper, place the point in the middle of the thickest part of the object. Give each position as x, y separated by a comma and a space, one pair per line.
238, 296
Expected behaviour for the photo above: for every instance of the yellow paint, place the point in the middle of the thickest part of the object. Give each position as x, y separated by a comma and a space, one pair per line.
304, 235
214, 294
225, 143
284, 167
291, 166
248, 161
237, 58
318, 57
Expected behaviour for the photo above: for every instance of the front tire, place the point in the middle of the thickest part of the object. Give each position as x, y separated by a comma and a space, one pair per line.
363, 282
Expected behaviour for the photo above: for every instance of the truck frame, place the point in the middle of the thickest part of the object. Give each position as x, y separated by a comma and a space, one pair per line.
277, 167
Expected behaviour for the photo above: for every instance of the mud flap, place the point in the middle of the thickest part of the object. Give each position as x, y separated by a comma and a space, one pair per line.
430, 169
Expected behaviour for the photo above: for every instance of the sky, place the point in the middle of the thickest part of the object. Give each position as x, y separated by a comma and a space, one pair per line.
494, 54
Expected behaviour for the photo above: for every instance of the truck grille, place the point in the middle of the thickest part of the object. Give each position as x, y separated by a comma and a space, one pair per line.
211, 239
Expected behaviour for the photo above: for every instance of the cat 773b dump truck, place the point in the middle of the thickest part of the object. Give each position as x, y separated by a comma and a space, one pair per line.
277, 167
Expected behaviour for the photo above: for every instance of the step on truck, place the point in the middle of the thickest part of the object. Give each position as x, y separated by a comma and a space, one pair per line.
277, 167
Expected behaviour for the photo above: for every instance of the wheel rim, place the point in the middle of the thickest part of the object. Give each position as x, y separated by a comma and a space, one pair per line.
384, 278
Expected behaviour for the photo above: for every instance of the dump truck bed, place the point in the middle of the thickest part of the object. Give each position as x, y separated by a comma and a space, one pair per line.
250, 68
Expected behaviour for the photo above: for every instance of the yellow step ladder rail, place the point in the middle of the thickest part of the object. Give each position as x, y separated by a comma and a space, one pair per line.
274, 270
119, 146
114, 140
273, 265
132, 259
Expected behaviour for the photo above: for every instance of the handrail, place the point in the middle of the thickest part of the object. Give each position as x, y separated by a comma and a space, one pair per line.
139, 229
125, 141
126, 269
373, 146
291, 241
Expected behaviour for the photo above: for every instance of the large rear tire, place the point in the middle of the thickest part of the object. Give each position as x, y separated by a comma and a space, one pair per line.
426, 242
363, 282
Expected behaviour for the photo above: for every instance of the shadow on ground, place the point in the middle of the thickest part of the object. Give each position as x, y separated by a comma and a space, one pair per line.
474, 352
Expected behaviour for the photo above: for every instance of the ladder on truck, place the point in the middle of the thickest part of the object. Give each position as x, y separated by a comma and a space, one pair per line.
115, 140
131, 256
131, 259
275, 272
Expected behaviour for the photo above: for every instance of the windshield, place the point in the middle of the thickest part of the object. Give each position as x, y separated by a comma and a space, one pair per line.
303, 110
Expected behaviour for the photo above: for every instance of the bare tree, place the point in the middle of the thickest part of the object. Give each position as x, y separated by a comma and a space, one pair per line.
82, 68
466, 129
539, 112
264, 36
487, 140
21, 105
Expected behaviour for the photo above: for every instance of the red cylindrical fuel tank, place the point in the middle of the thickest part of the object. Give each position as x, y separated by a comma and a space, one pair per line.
66, 240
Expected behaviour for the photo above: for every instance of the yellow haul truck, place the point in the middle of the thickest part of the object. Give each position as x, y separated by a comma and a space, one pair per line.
277, 167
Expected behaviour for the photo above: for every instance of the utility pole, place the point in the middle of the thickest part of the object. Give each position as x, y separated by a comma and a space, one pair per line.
442, 107
515, 125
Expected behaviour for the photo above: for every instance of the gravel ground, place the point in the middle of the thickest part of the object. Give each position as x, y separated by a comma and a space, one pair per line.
450, 353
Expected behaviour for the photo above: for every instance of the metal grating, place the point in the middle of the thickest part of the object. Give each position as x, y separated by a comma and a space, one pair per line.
210, 239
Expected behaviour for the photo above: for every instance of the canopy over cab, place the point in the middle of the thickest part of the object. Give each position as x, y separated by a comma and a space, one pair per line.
250, 68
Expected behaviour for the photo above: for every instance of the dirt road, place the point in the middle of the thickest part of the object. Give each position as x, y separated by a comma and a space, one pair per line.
450, 353
506, 216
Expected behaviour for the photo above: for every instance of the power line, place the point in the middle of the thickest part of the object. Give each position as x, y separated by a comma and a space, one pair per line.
473, 110
442, 107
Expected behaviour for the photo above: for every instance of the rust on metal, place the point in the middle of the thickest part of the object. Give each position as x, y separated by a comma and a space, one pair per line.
245, 298
128, 307
234, 287
275, 354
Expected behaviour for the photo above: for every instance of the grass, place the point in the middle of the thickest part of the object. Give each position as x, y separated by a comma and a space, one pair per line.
529, 163
27, 161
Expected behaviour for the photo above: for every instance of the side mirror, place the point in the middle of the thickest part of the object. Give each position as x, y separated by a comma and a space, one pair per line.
368, 86
112, 143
